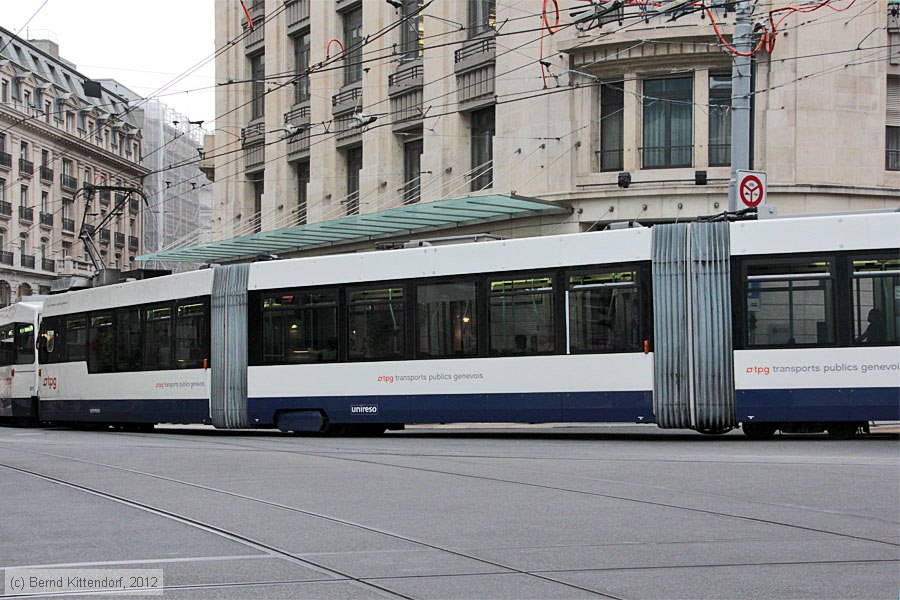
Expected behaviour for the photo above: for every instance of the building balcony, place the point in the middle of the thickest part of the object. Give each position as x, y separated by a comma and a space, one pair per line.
26, 168
255, 38
46, 173
46, 219
104, 236
68, 225
5, 160
27, 261
48, 265
347, 99
296, 14
253, 139
88, 229
132, 242
26, 214
68, 182
475, 53
407, 78
119, 239
6, 258
299, 142
5, 210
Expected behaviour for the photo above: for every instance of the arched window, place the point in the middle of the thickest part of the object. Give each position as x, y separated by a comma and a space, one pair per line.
24, 290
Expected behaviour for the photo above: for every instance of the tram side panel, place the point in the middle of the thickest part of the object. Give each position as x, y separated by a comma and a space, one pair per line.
817, 323
575, 388
134, 352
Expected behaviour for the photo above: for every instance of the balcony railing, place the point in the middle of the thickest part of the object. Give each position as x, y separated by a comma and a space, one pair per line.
120, 239
6, 160
26, 167
104, 235
48, 265
47, 219
349, 95
406, 76
5, 209
27, 261
483, 46
68, 225
26, 214
132, 242
6, 258
68, 182
46, 173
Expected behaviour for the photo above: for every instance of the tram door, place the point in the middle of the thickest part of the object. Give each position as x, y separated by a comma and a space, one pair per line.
692, 327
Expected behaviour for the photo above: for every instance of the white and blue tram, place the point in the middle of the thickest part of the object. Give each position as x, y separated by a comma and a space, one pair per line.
788, 324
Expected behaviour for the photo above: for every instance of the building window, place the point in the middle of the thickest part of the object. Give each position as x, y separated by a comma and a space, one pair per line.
257, 86
301, 66
412, 33
612, 125
412, 171
259, 188
45, 202
23, 151
892, 130
302, 190
70, 122
4, 91
354, 166
353, 46
482, 16
482, 172
719, 120
23, 196
668, 127
47, 110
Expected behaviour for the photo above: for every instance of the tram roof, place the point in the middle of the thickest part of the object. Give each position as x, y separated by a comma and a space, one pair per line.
402, 220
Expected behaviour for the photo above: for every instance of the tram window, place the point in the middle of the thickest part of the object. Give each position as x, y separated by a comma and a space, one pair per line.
24, 343
191, 335
101, 344
876, 301
7, 344
521, 316
604, 313
789, 304
128, 339
53, 335
300, 327
76, 339
445, 320
158, 338
375, 327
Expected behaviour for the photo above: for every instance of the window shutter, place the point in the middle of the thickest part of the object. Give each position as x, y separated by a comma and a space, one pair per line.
893, 101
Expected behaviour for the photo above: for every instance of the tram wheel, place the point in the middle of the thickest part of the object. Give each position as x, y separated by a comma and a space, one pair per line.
759, 431
842, 431
714, 430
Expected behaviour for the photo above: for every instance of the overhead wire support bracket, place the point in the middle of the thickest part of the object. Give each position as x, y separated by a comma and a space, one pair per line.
85, 234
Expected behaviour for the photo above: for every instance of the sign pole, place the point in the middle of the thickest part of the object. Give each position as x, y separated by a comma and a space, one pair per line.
740, 97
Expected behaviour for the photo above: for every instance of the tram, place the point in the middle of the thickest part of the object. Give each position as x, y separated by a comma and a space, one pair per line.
787, 324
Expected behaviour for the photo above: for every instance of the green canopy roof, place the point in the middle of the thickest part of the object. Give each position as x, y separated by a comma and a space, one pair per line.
403, 220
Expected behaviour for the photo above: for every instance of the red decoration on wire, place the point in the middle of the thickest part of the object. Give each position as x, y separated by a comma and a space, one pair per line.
333, 41
247, 14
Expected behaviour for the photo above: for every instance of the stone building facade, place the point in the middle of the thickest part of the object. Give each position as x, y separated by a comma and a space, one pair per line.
328, 108
54, 139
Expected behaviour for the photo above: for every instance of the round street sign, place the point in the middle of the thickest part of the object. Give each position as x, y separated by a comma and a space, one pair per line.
751, 190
